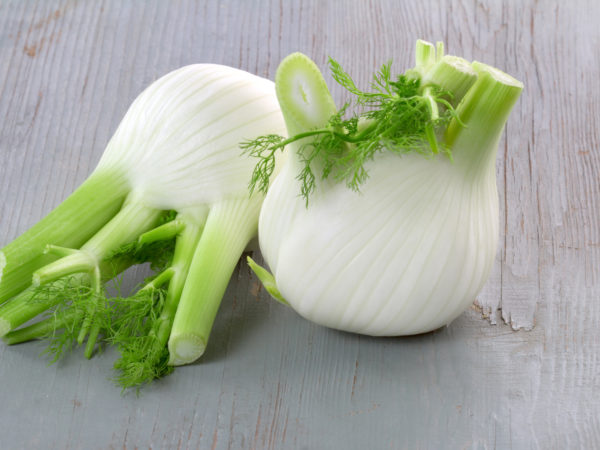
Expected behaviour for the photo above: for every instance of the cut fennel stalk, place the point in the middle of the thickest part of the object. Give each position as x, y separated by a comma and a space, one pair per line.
410, 251
177, 149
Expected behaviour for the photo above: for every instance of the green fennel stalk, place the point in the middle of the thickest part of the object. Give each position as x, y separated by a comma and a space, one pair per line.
72, 223
141, 325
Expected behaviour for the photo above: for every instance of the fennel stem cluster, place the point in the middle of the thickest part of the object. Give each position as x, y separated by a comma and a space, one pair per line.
170, 189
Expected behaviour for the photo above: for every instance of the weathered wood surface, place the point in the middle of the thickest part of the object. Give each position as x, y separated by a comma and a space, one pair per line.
70, 69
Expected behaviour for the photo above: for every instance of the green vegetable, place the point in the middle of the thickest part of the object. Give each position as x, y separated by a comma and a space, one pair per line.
176, 150
382, 221
410, 251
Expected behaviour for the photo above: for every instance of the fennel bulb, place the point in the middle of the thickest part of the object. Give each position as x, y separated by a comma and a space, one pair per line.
177, 150
405, 245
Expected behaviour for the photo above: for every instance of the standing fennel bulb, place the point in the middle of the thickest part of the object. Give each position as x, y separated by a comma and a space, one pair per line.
175, 150
405, 245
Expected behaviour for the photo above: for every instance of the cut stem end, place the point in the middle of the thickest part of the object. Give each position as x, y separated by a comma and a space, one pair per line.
185, 349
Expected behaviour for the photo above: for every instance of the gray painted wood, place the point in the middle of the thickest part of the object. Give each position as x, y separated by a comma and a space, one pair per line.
518, 370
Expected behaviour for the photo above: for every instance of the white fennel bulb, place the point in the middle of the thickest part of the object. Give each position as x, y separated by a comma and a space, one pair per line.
178, 144
412, 248
172, 172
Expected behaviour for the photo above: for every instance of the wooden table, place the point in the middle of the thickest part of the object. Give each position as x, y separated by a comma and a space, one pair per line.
520, 369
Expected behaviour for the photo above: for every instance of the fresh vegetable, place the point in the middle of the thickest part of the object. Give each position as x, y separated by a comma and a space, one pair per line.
384, 222
172, 171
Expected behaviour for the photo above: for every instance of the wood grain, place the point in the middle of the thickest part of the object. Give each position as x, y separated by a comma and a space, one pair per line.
270, 379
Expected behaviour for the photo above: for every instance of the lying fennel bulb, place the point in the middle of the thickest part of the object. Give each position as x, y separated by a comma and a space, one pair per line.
407, 242
175, 150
